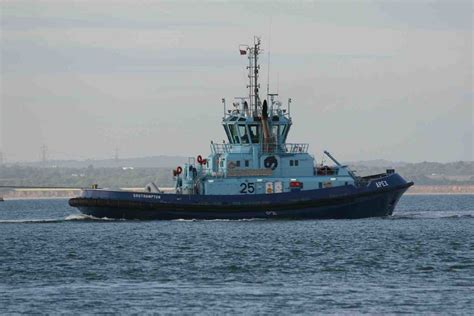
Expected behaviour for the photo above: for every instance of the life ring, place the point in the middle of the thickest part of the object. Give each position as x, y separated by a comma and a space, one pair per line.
270, 162
199, 159
179, 170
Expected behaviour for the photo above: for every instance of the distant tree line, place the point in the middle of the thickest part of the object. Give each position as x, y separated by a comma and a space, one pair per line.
425, 173
84, 177
428, 173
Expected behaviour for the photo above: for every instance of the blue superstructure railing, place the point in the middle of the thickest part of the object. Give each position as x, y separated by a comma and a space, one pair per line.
288, 148
221, 148
270, 148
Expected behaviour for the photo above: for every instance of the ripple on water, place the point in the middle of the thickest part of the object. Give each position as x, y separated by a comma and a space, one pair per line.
421, 260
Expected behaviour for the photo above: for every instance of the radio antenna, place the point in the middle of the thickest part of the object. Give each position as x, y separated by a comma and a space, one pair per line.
269, 48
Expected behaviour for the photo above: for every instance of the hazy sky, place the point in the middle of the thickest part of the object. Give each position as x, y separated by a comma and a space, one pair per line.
368, 79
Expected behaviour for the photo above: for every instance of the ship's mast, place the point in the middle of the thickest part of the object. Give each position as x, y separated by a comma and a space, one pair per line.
253, 68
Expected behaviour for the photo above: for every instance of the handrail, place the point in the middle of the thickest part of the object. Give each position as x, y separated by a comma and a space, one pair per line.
221, 148
288, 148
269, 148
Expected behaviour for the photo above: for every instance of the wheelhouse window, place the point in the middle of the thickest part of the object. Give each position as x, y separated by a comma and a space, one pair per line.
243, 134
229, 137
234, 134
275, 132
254, 133
283, 132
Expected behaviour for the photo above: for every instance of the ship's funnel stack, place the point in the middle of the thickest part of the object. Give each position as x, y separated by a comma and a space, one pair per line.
265, 127
268, 138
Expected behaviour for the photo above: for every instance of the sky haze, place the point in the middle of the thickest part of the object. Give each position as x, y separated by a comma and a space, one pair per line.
368, 79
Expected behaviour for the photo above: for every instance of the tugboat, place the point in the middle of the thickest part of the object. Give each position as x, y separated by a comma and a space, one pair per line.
254, 174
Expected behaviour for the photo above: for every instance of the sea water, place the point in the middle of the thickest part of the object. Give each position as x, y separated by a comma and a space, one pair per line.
420, 260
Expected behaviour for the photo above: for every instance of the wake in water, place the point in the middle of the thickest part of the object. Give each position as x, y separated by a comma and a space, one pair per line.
88, 218
72, 217
219, 220
432, 215
84, 217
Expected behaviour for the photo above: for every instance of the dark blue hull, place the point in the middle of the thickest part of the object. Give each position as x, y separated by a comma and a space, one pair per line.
370, 200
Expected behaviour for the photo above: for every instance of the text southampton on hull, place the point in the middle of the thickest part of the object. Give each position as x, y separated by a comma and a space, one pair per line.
254, 173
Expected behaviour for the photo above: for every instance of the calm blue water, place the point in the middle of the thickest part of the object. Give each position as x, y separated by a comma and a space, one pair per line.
421, 260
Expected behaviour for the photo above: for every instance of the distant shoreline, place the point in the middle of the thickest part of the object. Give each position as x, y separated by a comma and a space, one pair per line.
439, 193
441, 189
36, 198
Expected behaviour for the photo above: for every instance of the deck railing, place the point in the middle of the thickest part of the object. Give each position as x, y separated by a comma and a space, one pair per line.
288, 148
221, 148
269, 148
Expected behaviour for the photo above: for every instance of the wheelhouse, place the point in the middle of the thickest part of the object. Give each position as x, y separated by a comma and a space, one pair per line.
242, 128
